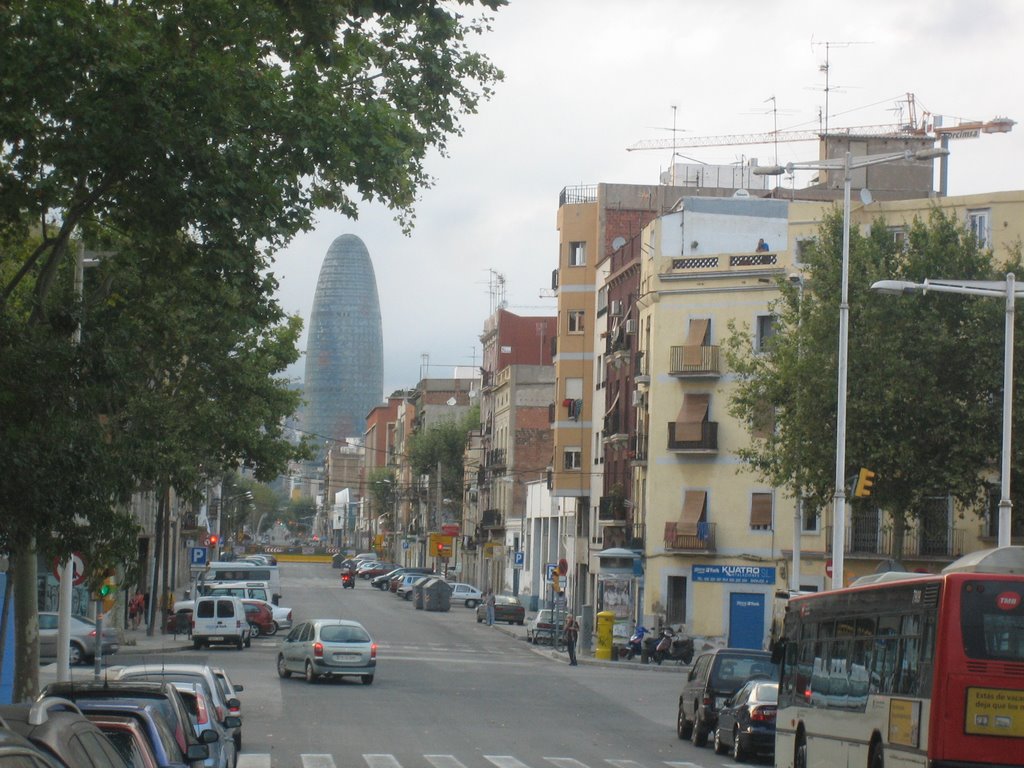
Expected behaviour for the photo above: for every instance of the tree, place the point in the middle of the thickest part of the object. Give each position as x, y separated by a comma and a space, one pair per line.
924, 373
443, 445
190, 141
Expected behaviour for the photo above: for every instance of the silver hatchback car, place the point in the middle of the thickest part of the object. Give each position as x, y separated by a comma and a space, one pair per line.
328, 648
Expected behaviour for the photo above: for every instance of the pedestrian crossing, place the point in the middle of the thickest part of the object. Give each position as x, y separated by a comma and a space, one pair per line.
451, 761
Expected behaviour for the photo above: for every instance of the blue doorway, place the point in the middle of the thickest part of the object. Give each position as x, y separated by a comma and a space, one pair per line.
746, 620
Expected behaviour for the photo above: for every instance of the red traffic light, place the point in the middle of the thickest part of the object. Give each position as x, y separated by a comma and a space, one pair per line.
440, 548
212, 540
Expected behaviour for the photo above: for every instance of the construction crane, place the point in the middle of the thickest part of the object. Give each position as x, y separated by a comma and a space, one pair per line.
911, 129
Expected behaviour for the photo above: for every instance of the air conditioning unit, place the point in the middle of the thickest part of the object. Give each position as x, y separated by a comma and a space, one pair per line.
638, 398
615, 309
631, 326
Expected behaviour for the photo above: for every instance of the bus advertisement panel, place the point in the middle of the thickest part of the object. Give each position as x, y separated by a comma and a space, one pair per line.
907, 669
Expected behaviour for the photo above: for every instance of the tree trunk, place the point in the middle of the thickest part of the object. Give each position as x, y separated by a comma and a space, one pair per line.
26, 624
154, 595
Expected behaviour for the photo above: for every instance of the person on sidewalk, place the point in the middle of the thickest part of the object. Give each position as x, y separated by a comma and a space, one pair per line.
490, 608
136, 607
571, 633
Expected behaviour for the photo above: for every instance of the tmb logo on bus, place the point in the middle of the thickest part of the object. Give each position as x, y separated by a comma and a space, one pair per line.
1007, 601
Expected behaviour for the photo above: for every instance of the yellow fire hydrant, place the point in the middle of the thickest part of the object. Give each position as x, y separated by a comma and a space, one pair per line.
605, 622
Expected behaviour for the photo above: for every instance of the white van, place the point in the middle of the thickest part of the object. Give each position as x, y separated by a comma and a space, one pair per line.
235, 571
219, 619
247, 590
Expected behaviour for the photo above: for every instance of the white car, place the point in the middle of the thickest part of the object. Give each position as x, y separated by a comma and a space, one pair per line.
467, 593
282, 615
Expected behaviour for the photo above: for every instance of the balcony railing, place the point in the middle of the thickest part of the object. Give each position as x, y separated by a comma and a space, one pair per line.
943, 543
611, 508
708, 442
494, 458
701, 541
490, 518
694, 361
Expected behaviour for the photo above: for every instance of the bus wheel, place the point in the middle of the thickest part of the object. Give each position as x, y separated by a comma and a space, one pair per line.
800, 753
877, 760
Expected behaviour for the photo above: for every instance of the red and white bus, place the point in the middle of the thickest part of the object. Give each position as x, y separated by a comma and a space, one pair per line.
907, 670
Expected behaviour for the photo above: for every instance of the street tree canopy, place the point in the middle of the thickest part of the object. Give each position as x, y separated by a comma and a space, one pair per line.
924, 381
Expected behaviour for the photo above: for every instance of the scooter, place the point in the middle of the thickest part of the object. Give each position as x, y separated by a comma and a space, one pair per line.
636, 642
674, 648
348, 580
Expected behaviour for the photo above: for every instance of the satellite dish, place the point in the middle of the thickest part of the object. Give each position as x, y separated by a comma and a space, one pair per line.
452, 401
618, 242
865, 196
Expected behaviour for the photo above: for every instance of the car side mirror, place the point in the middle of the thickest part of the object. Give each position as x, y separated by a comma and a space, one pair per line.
233, 703
778, 650
239, 688
209, 736
198, 751
232, 721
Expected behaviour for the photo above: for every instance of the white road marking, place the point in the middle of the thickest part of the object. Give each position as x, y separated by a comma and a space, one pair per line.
625, 763
382, 761
444, 761
253, 761
317, 761
505, 761
566, 762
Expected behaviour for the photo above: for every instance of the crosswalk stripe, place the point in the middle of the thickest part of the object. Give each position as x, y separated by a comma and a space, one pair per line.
253, 761
566, 762
317, 761
505, 761
624, 763
381, 761
444, 761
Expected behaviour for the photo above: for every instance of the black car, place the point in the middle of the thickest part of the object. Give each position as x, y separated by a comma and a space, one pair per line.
714, 677
383, 581
59, 727
18, 751
746, 722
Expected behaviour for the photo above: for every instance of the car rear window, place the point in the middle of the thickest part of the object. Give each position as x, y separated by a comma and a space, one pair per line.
733, 671
225, 609
506, 600
335, 633
205, 609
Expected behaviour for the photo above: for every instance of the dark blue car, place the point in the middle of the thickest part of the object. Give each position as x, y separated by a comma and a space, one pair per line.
746, 722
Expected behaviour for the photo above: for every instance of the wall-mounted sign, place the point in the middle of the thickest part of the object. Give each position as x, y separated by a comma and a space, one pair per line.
735, 574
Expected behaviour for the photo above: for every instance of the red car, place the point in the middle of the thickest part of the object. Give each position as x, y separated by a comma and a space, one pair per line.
375, 568
260, 618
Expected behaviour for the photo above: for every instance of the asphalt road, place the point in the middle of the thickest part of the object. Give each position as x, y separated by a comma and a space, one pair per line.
448, 693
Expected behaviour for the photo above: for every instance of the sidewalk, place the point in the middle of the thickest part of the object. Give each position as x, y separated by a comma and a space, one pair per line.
136, 641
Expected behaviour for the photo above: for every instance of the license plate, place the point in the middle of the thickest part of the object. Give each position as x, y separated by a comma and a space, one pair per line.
215, 638
347, 657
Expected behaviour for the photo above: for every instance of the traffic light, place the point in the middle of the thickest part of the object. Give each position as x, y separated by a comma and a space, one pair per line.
865, 480
212, 540
107, 592
440, 549
556, 581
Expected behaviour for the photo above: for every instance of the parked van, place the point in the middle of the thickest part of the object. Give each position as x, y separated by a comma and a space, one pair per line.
219, 619
221, 572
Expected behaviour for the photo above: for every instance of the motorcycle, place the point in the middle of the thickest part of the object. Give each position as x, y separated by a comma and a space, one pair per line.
636, 642
348, 580
673, 647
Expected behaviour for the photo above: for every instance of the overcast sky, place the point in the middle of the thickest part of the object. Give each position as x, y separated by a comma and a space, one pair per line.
584, 79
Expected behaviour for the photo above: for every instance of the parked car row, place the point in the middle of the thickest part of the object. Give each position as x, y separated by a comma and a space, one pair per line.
144, 717
82, 638
732, 695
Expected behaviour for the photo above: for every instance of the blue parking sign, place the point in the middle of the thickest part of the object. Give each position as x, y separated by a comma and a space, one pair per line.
198, 555
519, 560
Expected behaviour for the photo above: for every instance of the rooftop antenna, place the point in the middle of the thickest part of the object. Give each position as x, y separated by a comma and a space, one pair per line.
829, 45
775, 125
496, 289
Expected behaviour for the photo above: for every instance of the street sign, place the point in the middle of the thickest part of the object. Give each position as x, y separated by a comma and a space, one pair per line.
519, 560
77, 568
828, 567
197, 555
450, 529
550, 569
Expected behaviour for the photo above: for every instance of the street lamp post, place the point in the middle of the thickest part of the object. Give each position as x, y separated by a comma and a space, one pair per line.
1006, 289
847, 164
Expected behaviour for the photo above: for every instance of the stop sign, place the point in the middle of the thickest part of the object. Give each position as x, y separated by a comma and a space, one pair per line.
828, 568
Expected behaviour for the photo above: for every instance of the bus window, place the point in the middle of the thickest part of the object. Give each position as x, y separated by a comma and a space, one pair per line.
992, 621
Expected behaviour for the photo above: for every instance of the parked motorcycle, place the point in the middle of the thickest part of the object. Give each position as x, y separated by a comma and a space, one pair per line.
636, 642
348, 580
673, 647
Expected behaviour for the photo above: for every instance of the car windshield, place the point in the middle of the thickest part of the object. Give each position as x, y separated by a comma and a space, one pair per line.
767, 693
341, 633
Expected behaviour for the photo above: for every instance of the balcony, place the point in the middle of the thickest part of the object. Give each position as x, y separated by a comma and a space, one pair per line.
639, 457
694, 362
495, 458
612, 431
701, 541
611, 508
708, 442
944, 543
490, 518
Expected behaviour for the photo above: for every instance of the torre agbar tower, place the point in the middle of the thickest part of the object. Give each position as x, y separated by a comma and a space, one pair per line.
345, 351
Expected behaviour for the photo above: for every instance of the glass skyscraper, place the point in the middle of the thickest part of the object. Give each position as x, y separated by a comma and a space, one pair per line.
345, 350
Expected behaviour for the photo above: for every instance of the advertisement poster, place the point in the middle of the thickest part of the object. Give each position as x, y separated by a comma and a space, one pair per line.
617, 597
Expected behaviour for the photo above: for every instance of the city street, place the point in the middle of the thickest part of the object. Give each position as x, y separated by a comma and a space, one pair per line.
448, 692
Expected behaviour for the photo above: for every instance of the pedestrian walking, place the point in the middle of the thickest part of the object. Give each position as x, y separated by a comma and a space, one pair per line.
571, 633
490, 608
136, 607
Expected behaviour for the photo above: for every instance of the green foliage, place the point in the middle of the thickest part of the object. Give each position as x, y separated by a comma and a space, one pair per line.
444, 443
924, 372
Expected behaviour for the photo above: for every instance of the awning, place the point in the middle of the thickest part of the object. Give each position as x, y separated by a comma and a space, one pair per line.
690, 421
693, 512
695, 338
760, 510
